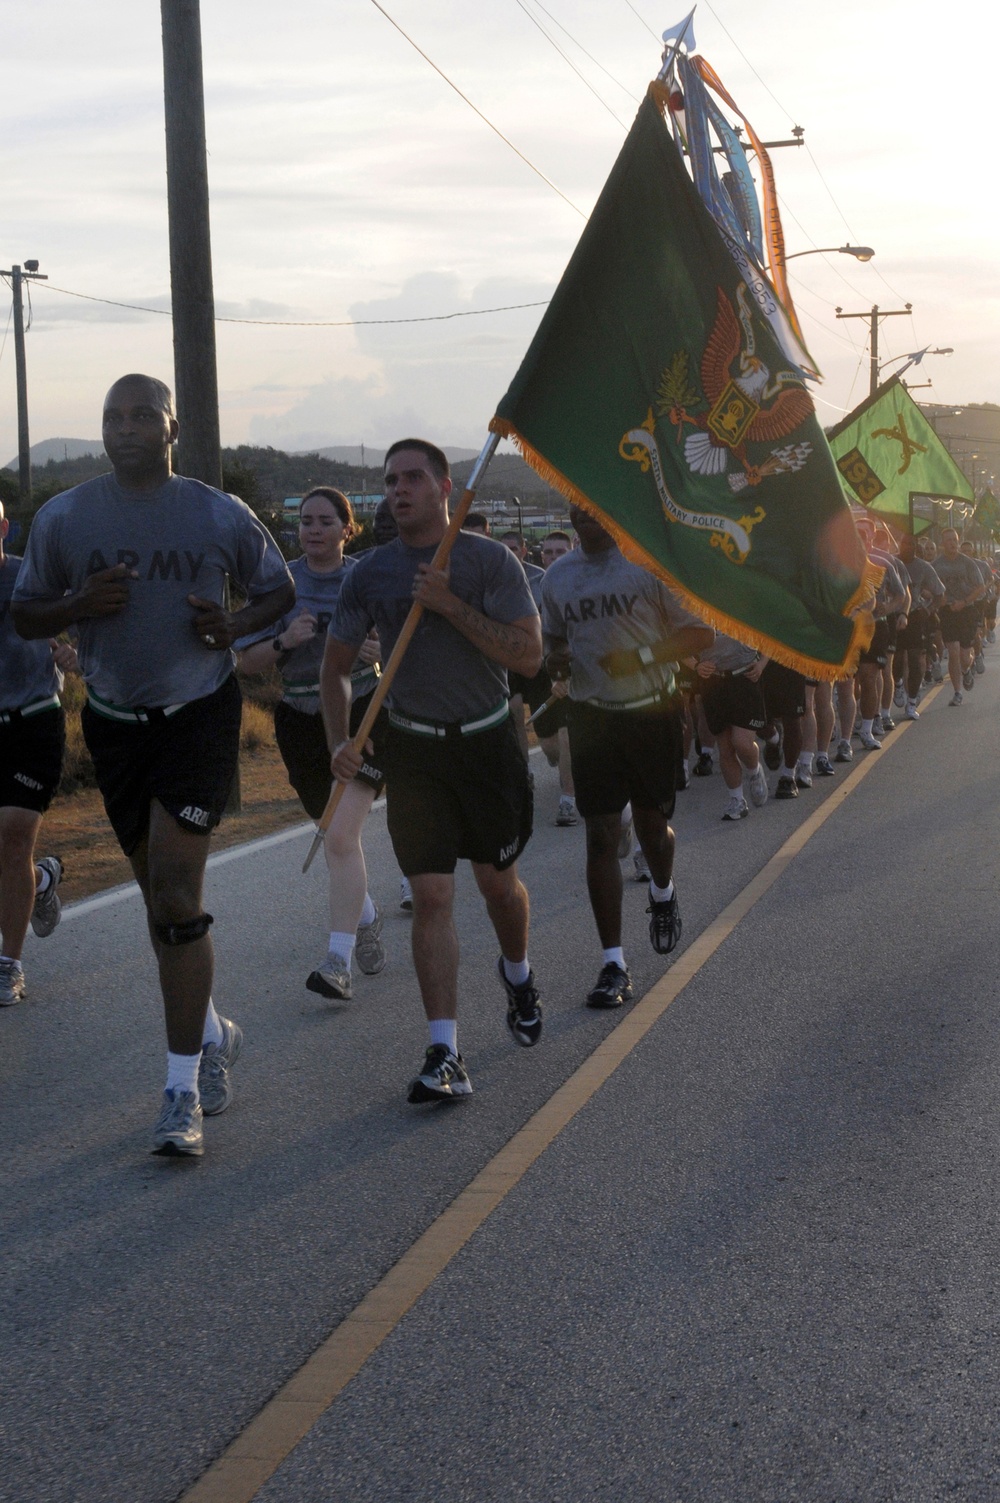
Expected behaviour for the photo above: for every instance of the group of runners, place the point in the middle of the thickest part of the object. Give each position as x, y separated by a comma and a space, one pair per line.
633, 693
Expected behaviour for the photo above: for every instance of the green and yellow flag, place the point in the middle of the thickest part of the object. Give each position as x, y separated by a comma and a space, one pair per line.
987, 514
656, 395
888, 453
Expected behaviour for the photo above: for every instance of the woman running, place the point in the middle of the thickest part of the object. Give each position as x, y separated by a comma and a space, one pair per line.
295, 645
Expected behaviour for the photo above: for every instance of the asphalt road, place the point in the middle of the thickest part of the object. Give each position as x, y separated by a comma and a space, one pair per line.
759, 1264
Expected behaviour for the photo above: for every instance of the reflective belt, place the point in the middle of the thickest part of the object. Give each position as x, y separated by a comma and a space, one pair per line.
35, 708
629, 704
455, 728
301, 691
141, 715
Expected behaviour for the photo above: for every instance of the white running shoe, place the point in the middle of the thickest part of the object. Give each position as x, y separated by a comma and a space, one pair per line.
47, 910
640, 866
899, 694
757, 787
405, 895
737, 807
911, 712
869, 741
566, 813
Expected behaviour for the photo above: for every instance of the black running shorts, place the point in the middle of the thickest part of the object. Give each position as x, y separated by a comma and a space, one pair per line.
915, 634
732, 701
958, 626
186, 761
877, 651
31, 758
455, 798
784, 692
303, 746
623, 755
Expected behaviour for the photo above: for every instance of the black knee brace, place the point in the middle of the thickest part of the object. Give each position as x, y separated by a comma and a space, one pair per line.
186, 933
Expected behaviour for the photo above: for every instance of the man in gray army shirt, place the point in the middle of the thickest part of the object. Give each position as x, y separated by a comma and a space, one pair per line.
457, 784
137, 563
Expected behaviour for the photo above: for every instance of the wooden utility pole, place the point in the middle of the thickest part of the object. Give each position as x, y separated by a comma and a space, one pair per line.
18, 277
192, 297
872, 319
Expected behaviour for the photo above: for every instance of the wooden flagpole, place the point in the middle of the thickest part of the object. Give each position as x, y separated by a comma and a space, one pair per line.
403, 640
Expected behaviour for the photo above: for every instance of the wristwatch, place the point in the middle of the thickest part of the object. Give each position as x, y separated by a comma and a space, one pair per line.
645, 655
276, 644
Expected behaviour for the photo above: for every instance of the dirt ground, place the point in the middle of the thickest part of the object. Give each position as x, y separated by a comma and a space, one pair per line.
77, 831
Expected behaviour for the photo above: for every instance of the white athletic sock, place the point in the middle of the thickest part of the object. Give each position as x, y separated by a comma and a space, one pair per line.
367, 912
43, 880
866, 726
773, 740
686, 768
445, 1031
787, 772
626, 815
806, 761
11, 961
342, 945
661, 894
911, 704
614, 955
182, 1072
212, 1031
516, 971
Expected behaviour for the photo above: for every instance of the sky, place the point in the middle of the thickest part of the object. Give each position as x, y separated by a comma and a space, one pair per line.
349, 182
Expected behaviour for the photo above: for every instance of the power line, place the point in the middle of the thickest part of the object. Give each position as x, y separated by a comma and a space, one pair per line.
569, 62
307, 323
597, 63
644, 21
496, 129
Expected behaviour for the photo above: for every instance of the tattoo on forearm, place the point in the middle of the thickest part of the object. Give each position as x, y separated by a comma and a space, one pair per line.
511, 640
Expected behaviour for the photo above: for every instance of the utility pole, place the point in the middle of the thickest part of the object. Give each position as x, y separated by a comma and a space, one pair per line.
872, 319
192, 297
30, 273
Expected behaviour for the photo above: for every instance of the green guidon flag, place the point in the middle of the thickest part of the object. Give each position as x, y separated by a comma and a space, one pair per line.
988, 514
888, 453
656, 395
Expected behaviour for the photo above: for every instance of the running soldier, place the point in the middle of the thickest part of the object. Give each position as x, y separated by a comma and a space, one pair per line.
32, 738
137, 562
294, 644
963, 588
457, 782
616, 633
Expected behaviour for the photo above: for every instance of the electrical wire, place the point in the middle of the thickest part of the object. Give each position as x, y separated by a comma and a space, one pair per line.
597, 63
570, 63
643, 20
10, 315
306, 323
486, 121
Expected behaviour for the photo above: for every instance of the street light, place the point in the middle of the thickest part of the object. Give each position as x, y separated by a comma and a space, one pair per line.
859, 252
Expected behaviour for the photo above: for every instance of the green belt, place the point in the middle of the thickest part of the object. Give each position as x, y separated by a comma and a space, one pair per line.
454, 728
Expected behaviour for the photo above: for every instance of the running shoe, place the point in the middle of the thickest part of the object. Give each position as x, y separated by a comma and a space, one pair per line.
443, 1077
12, 987
991, 636
824, 767
911, 712
640, 866
899, 694
704, 767
937, 672
736, 808
405, 895
772, 754
869, 741
876, 728
888, 724
664, 923
786, 788
178, 1127
524, 1011
369, 951
969, 678
566, 813
803, 775
215, 1089
625, 840
331, 979
928, 677
844, 751
956, 698
757, 787
979, 663
47, 911
613, 989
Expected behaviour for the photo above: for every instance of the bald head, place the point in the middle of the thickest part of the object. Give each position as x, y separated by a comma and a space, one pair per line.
156, 392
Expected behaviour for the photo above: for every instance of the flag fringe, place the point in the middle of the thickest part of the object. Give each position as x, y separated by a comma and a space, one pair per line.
864, 622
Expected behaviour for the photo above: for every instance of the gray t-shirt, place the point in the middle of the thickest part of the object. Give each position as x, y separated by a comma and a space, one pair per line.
925, 587
728, 655
442, 677
318, 594
27, 672
183, 539
893, 582
959, 576
600, 603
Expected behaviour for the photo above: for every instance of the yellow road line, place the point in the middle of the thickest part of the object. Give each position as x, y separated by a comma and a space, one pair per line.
286, 1419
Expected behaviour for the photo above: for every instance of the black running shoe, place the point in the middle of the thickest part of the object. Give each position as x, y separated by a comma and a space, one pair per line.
443, 1077
524, 1011
613, 989
786, 788
704, 767
664, 924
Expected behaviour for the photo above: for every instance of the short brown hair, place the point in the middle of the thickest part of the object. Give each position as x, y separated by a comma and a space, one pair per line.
436, 458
